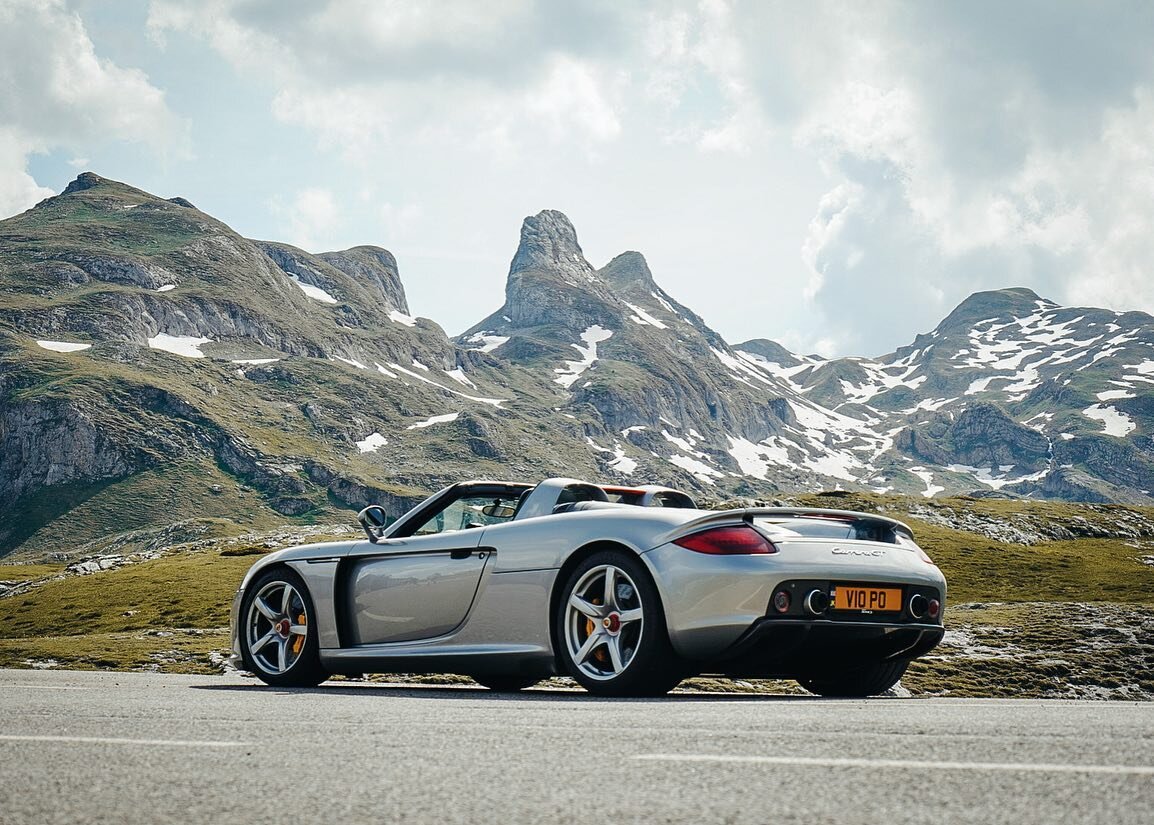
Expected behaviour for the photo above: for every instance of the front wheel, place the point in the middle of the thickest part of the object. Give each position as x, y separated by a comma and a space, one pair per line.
865, 681
610, 629
278, 632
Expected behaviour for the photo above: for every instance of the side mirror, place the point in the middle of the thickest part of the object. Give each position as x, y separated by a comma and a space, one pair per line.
373, 519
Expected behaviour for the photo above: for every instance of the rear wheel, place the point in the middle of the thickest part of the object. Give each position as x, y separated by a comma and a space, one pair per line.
506, 683
610, 629
865, 681
278, 634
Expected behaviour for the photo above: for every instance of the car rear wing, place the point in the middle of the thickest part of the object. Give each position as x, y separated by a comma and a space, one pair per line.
749, 514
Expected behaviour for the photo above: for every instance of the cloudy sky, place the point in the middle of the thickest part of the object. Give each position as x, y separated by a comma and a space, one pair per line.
835, 176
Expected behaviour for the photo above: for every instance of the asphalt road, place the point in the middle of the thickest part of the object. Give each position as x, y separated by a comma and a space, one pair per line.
144, 748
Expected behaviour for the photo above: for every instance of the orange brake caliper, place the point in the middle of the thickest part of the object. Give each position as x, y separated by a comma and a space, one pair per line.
299, 641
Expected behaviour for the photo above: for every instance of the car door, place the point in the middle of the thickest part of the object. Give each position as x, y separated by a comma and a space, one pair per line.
420, 586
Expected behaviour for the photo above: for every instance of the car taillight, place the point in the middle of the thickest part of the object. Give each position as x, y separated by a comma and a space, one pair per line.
727, 541
924, 556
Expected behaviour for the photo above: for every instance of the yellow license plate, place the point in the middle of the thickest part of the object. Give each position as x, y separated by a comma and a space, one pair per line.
868, 599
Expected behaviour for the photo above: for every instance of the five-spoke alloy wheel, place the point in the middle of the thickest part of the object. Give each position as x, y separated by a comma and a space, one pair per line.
611, 631
278, 637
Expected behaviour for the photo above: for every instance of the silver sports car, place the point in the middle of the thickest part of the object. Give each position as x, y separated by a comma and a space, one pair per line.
627, 589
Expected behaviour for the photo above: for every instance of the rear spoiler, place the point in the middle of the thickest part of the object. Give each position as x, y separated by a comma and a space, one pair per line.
749, 514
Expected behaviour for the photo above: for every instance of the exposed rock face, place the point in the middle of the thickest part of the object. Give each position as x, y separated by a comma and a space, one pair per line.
51, 442
373, 266
982, 436
85, 180
549, 242
120, 270
296, 263
550, 282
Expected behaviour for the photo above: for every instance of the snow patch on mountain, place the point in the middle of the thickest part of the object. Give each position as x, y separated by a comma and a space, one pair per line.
435, 419
700, 470
371, 443
686, 445
186, 346
986, 476
459, 376
755, 459
620, 462
927, 477
572, 370
488, 341
314, 292
882, 378
644, 318
64, 346
1114, 422
496, 402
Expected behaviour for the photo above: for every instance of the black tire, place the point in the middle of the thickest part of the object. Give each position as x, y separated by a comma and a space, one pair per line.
506, 683
270, 644
614, 656
865, 681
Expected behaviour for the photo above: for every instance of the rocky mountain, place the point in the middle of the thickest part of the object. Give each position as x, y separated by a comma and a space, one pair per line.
158, 369
1009, 393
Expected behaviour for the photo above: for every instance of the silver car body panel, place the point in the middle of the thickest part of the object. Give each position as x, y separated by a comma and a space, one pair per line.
420, 587
509, 607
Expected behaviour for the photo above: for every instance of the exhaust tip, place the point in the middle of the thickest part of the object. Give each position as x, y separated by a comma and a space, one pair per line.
919, 605
816, 602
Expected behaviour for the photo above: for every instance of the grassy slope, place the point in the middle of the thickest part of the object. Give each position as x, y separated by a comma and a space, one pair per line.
1059, 618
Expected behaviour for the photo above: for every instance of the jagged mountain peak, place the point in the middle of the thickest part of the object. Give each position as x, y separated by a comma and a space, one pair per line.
628, 270
550, 283
85, 180
549, 242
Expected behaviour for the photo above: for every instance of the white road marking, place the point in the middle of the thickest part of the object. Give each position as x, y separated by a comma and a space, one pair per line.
101, 740
913, 764
48, 687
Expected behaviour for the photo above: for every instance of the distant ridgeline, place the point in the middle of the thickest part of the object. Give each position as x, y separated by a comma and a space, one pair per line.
157, 370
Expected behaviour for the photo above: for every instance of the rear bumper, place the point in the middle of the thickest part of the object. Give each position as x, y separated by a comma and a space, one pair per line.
789, 648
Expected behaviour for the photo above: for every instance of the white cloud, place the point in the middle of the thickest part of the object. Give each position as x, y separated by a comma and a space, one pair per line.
575, 98
349, 70
400, 220
310, 220
18, 189
57, 92
965, 151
